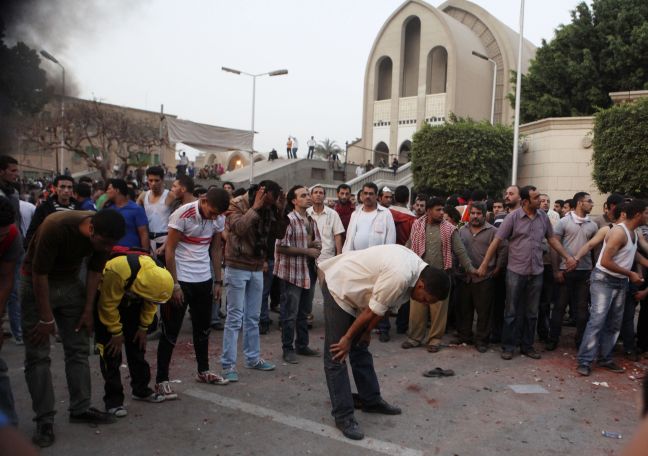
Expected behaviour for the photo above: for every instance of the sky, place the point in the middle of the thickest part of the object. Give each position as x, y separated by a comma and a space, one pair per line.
146, 53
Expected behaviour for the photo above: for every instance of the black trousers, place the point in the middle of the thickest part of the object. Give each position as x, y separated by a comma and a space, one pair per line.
546, 298
475, 297
140, 372
574, 292
198, 297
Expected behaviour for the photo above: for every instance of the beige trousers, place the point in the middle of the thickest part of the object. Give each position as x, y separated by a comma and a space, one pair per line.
437, 313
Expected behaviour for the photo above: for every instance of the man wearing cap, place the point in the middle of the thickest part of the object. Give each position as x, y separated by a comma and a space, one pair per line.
127, 304
385, 197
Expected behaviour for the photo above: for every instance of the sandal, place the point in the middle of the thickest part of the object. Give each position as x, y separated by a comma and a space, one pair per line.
438, 372
433, 348
407, 344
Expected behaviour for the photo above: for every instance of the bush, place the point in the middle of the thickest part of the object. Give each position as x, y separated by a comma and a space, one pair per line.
620, 149
463, 154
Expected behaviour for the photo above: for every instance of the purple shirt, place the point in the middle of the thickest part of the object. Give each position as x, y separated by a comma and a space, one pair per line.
525, 235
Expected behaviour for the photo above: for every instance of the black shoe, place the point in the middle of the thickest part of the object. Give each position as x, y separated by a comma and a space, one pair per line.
43, 435
401, 330
384, 337
307, 351
551, 346
632, 356
507, 355
584, 370
381, 407
350, 428
218, 326
482, 348
93, 416
290, 357
264, 327
531, 353
612, 366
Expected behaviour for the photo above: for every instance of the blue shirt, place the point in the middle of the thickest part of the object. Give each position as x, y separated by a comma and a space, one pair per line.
135, 217
87, 205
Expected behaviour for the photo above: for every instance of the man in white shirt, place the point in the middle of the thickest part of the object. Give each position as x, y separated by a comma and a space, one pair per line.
358, 289
194, 240
295, 146
157, 202
370, 225
311, 143
359, 171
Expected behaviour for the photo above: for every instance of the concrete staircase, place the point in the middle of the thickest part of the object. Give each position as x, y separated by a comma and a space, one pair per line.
379, 176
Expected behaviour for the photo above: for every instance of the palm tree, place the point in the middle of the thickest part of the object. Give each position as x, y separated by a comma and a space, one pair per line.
326, 147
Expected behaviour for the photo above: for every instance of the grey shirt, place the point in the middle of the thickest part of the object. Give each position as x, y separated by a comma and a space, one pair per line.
573, 236
477, 246
525, 235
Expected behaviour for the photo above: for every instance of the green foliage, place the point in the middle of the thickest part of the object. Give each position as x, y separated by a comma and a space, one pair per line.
326, 147
604, 49
462, 154
621, 150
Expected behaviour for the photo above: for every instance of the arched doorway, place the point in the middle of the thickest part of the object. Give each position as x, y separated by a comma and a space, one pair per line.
404, 152
437, 71
384, 79
410, 56
236, 161
381, 152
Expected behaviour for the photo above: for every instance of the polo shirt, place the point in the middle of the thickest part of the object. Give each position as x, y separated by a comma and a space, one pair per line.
573, 236
329, 225
135, 216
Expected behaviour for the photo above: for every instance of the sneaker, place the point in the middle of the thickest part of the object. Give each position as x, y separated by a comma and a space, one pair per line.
230, 375
119, 411
290, 357
211, 378
164, 388
153, 398
43, 435
19, 341
92, 416
612, 366
584, 370
261, 365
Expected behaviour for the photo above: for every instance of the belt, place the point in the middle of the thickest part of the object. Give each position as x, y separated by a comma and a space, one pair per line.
157, 235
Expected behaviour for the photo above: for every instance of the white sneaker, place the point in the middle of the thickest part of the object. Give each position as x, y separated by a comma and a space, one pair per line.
119, 412
154, 398
164, 388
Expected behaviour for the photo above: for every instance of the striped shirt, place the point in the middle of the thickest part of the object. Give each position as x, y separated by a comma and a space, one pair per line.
192, 252
294, 268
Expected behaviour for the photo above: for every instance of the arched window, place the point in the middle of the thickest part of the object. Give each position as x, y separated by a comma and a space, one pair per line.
404, 152
412, 40
437, 69
381, 152
384, 79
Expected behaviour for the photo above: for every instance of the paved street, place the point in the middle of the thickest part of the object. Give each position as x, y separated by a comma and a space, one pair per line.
287, 411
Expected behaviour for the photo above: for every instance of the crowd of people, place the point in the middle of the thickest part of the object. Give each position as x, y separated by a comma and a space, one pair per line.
125, 264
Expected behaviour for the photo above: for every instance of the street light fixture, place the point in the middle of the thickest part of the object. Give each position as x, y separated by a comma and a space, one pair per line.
254, 76
51, 58
484, 57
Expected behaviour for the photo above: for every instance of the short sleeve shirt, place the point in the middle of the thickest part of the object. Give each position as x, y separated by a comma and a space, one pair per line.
192, 252
135, 217
525, 236
329, 225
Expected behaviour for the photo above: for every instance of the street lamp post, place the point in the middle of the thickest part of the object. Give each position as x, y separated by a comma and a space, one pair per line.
254, 76
484, 57
518, 90
51, 58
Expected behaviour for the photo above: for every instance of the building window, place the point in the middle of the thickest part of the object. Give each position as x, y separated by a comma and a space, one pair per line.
412, 39
338, 175
318, 173
437, 70
384, 79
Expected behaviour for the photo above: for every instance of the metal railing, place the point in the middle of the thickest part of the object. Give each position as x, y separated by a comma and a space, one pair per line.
379, 176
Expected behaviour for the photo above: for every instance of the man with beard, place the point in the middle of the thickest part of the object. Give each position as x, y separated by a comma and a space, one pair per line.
344, 206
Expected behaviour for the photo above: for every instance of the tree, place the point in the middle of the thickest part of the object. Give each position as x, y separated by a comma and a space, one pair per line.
462, 154
326, 147
620, 155
604, 49
97, 134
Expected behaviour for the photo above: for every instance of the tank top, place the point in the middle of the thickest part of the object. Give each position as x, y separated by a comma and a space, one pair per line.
624, 257
158, 213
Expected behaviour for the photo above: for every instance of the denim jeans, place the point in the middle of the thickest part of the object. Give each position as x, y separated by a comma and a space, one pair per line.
606, 312
67, 299
7, 404
244, 290
521, 310
198, 296
336, 324
268, 278
13, 305
628, 333
573, 292
294, 313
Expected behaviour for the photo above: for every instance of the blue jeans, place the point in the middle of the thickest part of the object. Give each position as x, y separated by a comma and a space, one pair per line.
336, 324
606, 312
628, 333
244, 290
521, 310
13, 305
268, 278
294, 314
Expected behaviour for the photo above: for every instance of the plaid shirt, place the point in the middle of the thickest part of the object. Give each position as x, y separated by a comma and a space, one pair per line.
294, 269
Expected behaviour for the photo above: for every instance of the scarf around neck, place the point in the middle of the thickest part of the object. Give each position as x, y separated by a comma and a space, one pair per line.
418, 239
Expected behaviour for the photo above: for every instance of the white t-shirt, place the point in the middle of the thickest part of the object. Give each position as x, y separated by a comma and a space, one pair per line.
192, 252
27, 210
364, 229
311, 143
